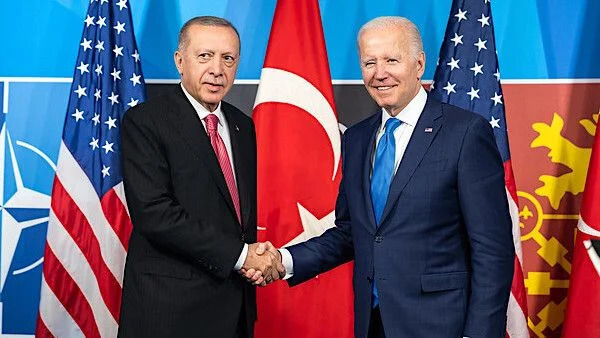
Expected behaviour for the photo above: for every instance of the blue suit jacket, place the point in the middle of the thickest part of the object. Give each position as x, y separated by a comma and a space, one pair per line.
443, 254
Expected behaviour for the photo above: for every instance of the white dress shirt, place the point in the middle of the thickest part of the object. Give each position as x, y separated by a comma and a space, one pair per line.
223, 130
409, 117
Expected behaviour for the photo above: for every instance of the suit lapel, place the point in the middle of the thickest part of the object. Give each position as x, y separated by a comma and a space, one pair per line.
190, 127
240, 166
416, 149
368, 140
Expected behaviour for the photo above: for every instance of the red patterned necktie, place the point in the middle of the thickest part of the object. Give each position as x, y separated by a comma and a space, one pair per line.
212, 122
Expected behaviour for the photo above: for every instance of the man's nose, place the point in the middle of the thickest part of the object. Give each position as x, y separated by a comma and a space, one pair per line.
380, 71
216, 66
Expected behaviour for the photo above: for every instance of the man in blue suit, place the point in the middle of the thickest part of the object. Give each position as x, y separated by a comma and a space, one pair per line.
422, 207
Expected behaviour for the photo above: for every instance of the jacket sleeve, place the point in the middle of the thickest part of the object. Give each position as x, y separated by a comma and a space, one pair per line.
483, 202
155, 212
334, 247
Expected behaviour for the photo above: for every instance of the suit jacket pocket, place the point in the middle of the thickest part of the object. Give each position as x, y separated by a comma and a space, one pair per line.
166, 267
444, 281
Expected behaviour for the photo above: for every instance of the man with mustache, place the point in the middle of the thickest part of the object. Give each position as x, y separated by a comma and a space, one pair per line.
189, 167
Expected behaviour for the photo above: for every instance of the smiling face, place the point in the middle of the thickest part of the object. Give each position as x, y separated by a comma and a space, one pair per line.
208, 62
391, 72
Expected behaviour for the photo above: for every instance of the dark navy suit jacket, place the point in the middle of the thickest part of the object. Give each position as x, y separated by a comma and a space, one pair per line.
443, 254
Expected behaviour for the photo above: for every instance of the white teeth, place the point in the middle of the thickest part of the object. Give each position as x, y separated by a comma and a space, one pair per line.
383, 88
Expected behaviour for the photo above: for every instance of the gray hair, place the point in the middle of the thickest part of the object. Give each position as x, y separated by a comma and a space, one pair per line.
414, 37
203, 21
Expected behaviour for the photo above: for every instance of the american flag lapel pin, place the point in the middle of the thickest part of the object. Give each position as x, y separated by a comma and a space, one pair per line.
428, 130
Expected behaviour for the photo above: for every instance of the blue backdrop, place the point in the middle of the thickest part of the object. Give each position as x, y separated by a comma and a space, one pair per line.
535, 39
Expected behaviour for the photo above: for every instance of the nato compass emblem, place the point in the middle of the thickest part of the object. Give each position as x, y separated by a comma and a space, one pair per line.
23, 224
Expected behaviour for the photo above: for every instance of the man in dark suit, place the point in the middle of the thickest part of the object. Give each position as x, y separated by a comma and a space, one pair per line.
422, 207
189, 166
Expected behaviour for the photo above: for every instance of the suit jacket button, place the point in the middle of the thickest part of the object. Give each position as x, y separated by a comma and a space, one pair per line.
378, 239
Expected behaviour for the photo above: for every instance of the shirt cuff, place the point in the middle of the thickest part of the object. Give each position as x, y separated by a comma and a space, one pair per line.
242, 259
288, 263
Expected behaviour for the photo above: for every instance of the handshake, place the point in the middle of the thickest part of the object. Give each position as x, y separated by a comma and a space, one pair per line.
263, 264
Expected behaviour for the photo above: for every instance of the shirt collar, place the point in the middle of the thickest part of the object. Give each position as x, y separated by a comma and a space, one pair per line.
201, 110
411, 113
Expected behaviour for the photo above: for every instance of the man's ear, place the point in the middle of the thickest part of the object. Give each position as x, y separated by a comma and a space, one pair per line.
421, 64
178, 58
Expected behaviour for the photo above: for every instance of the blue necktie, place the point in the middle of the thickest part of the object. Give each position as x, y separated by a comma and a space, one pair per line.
383, 171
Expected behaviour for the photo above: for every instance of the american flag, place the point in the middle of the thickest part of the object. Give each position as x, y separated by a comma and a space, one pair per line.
89, 224
468, 76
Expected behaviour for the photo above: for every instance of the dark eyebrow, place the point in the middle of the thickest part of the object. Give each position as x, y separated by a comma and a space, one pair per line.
200, 50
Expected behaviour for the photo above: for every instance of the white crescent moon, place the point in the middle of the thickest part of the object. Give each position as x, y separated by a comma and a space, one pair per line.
281, 86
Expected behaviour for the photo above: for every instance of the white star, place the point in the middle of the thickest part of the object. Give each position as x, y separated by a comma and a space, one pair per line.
122, 4
80, 91
98, 70
103, 1
453, 64
496, 99
135, 79
113, 98
89, 21
311, 225
485, 20
133, 102
480, 44
116, 74
96, 119
107, 147
477, 69
78, 114
461, 15
118, 51
494, 122
94, 143
100, 46
136, 56
473, 93
86, 44
105, 170
457, 39
432, 82
450, 88
83, 68
98, 94
486, 1
497, 74
111, 123
120, 27
101, 21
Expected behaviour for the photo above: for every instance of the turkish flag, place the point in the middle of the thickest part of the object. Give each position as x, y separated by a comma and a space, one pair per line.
582, 318
299, 171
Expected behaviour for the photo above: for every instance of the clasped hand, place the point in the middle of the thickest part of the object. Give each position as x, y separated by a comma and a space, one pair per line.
263, 264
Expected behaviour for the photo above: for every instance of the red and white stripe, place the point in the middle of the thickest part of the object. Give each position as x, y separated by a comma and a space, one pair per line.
516, 326
84, 258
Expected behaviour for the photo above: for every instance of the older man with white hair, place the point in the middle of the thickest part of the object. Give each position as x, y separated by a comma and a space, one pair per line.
421, 209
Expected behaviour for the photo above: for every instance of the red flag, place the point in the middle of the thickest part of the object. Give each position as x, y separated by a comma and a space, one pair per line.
582, 318
299, 171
